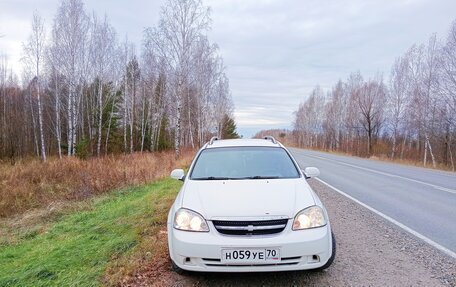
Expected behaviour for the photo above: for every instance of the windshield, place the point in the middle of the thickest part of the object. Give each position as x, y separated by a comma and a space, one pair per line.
244, 163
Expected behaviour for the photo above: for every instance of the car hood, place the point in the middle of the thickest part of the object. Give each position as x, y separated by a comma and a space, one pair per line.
243, 199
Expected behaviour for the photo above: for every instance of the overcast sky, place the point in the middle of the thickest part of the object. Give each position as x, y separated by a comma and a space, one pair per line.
275, 51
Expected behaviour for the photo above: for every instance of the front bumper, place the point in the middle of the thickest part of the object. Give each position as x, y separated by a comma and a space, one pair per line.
201, 251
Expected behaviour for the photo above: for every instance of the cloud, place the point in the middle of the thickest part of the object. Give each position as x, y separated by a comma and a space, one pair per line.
275, 51
129, 18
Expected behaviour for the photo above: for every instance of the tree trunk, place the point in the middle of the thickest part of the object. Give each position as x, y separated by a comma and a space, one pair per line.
369, 138
132, 120
190, 129
430, 151
58, 132
403, 145
425, 152
109, 128
177, 133
35, 137
100, 115
40, 122
75, 109
451, 156
125, 116
70, 121
393, 149
143, 122
153, 130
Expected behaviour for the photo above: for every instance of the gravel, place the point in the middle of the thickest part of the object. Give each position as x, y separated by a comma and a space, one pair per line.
370, 252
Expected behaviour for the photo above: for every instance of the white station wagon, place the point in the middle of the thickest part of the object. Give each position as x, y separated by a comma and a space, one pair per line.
245, 206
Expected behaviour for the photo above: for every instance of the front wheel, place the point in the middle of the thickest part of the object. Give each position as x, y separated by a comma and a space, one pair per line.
333, 255
176, 268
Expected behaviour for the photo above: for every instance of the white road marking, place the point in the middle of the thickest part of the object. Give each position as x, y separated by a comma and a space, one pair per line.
397, 223
387, 174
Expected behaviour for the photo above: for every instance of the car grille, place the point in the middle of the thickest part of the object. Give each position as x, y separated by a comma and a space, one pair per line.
216, 262
260, 227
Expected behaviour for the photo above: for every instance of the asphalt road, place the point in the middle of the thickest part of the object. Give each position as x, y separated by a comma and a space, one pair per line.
423, 200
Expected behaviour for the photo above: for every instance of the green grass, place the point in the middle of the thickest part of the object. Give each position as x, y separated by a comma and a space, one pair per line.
79, 247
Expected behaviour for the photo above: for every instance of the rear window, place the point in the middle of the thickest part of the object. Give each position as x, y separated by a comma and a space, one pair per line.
244, 163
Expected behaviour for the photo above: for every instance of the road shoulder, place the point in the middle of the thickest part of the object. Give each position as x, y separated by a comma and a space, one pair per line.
373, 251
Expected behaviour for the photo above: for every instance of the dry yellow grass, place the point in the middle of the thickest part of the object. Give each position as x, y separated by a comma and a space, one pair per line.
32, 184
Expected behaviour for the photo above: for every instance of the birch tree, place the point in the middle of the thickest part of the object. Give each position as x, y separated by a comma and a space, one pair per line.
70, 32
352, 116
222, 104
33, 58
448, 68
181, 23
84, 91
423, 70
397, 100
335, 113
447, 87
310, 117
430, 83
132, 85
153, 82
102, 48
3, 87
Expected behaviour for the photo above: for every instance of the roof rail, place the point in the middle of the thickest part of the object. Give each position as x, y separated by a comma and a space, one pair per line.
213, 139
271, 138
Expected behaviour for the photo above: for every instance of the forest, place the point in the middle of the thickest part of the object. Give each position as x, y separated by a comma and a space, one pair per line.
86, 91
408, 115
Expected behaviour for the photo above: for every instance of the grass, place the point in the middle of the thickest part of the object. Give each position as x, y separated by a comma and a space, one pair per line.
97, 245
31, 184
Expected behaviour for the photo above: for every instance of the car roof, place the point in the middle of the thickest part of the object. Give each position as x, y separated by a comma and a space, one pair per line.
242, 142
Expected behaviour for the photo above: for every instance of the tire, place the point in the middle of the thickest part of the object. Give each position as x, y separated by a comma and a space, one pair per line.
176, 268
333, 255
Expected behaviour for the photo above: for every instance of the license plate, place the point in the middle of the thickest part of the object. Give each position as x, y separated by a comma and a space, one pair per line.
250, 255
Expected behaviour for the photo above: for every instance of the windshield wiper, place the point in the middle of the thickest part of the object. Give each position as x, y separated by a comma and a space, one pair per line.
260, 177
212, 178
235, 178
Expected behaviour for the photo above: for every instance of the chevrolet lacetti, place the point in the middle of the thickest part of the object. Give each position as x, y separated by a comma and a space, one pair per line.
245, 206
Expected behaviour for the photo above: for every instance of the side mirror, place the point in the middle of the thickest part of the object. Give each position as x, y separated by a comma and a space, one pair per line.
310, 172
178, 174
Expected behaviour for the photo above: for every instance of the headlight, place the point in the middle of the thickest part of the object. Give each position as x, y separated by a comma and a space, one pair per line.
188, 220
309, 218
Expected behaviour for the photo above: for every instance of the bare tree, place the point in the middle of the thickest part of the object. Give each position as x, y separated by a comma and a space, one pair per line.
335, 114
82, 89
448, 89
56, 83
181, 24
370, 99
132, 83
3, 115
102, 48
309, 118
70, 32
448, 65
352, 116
397, 99
33, 57
222, 103
417, 109
430, 82
423, 66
